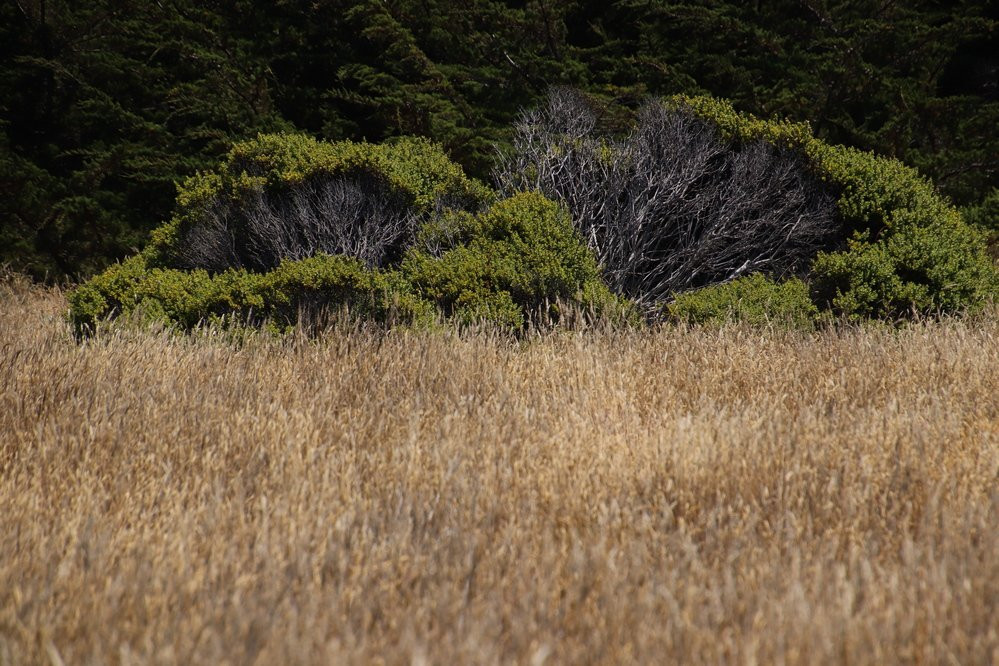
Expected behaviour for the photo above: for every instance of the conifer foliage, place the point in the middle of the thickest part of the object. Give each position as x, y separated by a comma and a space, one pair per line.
105, 105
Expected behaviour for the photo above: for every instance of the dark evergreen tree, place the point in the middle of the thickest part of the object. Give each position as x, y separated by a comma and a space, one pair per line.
105, 104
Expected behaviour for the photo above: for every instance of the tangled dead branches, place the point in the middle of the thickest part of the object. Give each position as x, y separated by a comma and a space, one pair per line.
325, 215
671, 207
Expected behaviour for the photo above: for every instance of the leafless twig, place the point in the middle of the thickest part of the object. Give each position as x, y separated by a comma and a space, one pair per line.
327, 214
671, 207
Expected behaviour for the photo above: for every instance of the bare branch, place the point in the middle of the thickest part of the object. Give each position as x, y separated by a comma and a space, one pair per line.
670, 207
325, 215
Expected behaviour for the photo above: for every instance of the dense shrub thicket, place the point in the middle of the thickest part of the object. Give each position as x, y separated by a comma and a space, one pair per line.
755, 299
512, 262
290, 227
767, 222
289, 196
672, 206
295, 289
908, 250
699, 194
105, 104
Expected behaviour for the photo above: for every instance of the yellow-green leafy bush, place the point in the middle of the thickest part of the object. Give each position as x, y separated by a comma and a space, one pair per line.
755, 299
518, 259
465, 261
187, 298
907, 249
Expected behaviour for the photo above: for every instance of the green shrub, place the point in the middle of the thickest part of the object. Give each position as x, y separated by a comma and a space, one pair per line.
188, 298
323, 283
907, 251
755, 299
939, 267
410, 176
514, 261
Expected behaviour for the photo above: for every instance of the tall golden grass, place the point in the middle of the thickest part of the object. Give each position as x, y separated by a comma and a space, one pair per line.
664, 496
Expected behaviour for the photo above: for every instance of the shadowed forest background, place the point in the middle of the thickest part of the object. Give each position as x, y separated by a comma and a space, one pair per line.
104, 105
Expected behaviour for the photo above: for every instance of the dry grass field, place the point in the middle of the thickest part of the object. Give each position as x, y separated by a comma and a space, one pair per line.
667, 496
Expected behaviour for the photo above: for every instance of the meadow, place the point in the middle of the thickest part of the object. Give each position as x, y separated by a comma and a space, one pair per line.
667, 495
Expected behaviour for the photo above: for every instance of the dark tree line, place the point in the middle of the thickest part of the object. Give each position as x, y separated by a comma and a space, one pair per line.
105, 104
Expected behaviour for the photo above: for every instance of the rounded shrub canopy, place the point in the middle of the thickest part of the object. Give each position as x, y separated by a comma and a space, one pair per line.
773, 222
906, 250
289, 196
699, 194
290, 227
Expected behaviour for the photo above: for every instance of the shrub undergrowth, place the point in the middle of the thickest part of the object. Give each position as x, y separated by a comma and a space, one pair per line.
289, 226
908, 251
468, 258
756, 300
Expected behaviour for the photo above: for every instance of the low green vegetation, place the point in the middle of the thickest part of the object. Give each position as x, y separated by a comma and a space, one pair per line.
290, 227
308, 287
907, 250
512, 262
756, 300
517, 260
